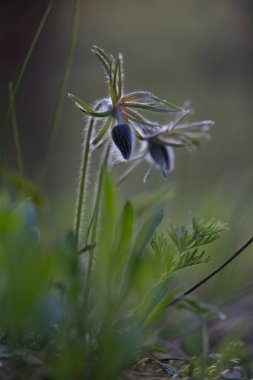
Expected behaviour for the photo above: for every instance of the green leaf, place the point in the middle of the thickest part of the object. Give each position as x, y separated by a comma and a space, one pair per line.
179, 138
113, 90
168, 104
190, 258
120, 74
174, 143
103, 142
149, 99
103, 131
138, 96
200, 308
104, 59
149, 107
123, 237
158, 310
116, 78
138, 135
198, 233
138, 118
24, 270
88, 110
107, 225
189, 239
147, 231
160, 350
197, 125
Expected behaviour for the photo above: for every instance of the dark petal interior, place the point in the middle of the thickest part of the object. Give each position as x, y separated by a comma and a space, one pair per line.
123, 139
160, 155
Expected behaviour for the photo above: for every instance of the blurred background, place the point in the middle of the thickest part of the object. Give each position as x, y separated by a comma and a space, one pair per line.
180, 50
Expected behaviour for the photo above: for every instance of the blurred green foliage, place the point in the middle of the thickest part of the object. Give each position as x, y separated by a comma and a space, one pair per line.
45, 310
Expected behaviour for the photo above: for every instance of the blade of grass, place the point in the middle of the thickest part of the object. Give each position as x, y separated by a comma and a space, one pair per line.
18, 83
15, 132
63, 89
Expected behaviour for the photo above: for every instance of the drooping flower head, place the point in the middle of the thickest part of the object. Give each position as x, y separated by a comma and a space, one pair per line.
160, 144
119, 112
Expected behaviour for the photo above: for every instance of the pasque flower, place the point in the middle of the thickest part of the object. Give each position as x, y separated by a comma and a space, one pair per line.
159, 145
119, 112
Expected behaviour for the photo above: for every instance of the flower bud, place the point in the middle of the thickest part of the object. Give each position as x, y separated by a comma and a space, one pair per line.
123, 139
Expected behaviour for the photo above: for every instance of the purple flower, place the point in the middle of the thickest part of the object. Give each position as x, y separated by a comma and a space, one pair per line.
123, 139
161, 154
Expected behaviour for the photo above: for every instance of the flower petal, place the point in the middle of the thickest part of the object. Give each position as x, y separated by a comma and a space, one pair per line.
123, 139
162, 156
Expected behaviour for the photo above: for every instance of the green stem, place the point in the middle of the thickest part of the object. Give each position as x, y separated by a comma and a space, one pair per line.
63, 90
94, 221
212, 274
82, 184
83, 178
92, 226
19, 80
15, 131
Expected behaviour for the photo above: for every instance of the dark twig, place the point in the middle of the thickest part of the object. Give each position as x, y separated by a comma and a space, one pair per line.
217, 270
88, 247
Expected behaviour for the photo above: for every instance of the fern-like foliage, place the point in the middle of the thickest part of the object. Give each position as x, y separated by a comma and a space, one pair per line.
188, 241
198, 233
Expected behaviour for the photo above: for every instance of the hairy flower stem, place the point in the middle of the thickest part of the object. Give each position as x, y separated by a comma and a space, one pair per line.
94, 221
81, 196
82, 184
